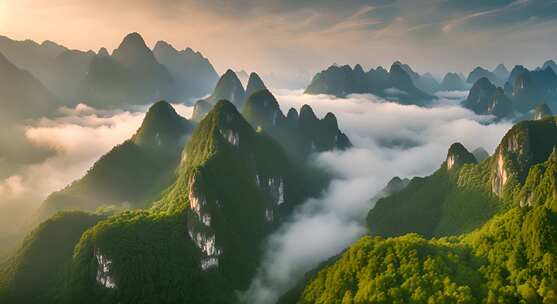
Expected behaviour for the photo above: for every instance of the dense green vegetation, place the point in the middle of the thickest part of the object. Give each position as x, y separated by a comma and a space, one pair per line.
450, 201
141, 167
503, 247
199, 243
37, 272
511, 259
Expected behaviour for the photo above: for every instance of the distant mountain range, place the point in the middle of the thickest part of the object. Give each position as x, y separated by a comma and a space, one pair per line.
132, 74
396, 84
521, 93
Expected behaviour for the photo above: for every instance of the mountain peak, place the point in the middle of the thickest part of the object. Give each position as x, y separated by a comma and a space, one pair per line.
228, 87
306, 112
103, 52
458, 155
292, 115
255, 84
162, 45
133, 39
261, 109
160, 125
501, 68
133, 50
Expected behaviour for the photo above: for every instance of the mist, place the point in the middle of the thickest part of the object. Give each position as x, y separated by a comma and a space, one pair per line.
389, 140
75, 139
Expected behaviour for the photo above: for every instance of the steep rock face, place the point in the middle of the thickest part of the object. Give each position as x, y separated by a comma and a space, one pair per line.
194, 75
511, 81
533, 87
452, 82
458, 156
485, 98
141, 166
200, 109
541, 111
238, 183
202, 240
299, 134
540, 186
526, 144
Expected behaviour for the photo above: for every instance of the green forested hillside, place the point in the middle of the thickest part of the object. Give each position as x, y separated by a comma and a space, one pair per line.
132, 173
509, 258
201, 242
37, 272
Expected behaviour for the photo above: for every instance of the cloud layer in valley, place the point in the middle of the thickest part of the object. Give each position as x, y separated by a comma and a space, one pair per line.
389, 140
77, 138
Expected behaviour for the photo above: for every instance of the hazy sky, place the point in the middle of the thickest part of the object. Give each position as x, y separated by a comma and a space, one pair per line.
303, 35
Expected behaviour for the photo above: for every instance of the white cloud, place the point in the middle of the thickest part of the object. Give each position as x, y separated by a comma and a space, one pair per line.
79, 136
389, 140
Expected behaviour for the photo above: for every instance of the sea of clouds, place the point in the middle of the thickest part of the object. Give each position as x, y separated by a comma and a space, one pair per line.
389, 140
77, 137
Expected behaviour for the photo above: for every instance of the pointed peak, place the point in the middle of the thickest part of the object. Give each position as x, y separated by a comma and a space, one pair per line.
103, 52
229, 73
307, 112
160, 125
331, 120
458, 155
133, 39
358, 69
500, 68
483, 82
397, 68
161, 107
163, 45
255, 84
292, 114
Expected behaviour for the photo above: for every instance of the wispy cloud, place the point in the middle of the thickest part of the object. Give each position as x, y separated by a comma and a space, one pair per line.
452, 24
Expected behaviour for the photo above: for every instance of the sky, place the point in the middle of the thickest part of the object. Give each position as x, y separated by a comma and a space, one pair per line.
299, 37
